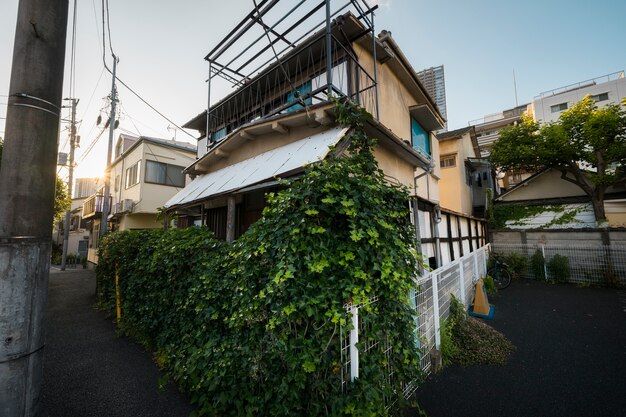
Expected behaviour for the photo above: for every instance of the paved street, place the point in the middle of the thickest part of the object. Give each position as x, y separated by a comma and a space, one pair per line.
88, 370
570, 358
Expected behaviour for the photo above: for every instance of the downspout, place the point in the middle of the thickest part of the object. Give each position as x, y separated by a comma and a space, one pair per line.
416, 222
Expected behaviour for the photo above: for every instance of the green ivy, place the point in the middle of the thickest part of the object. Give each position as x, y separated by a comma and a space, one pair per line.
518, 215
256, 327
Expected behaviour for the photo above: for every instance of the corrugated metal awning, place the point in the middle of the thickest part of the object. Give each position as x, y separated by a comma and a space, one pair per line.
260, 168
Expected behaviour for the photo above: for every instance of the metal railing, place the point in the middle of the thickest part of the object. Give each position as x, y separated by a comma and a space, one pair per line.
431, 301
582, 84
588, 264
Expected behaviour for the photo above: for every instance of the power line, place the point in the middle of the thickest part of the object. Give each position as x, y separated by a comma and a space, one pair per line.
73, 53
106, 21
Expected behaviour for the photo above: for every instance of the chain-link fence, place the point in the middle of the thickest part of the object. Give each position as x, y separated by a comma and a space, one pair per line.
593, 264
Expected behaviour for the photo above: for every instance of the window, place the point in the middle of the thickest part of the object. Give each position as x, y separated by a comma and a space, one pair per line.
117, 183
558, 107
294, 96
165, 174
132, 175
420, 138
601, 97
218, 135
447, 161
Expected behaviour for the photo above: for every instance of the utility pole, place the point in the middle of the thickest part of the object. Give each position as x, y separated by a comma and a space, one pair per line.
106, 206
27, 185
70, 180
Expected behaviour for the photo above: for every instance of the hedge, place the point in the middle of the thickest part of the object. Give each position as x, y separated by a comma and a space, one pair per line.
256, 327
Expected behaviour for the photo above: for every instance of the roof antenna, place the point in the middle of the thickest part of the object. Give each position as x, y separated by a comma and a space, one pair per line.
172, 128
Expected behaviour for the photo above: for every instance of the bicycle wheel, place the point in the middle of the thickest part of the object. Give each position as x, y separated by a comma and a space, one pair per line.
501, 277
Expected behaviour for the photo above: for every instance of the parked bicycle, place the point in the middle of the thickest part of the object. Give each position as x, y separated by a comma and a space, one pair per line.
499, 272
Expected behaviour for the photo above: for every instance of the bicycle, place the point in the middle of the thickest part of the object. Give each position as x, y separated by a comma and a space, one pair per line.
500, 273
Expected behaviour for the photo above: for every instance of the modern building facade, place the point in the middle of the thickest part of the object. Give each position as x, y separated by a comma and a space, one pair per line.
433, 80
548, 106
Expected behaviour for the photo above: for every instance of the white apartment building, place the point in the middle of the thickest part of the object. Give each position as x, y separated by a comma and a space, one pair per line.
548, 106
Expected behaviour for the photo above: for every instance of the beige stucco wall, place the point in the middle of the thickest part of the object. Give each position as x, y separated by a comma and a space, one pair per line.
396, 169
139, 221
547, 185
616, 212
395, 99
147, 197
456, 194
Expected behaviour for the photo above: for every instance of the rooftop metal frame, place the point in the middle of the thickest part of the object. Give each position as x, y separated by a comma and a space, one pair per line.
228, 59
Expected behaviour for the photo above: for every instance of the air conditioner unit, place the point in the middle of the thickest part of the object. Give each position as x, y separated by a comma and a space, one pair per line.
127, 205
117, 208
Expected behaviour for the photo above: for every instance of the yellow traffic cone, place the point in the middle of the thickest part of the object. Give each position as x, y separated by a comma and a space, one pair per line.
480, 307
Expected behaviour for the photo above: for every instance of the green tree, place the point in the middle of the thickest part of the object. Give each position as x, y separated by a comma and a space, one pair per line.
587, 145
62, 201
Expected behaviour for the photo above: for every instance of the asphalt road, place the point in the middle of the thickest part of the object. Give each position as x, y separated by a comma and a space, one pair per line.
88, 370
570, 358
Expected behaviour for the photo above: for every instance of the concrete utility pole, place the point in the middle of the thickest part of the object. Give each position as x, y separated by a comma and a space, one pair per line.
27, 184
106, 206
70, 180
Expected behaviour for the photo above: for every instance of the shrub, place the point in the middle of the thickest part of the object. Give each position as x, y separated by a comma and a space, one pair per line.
490, 286
537, 264
518, 264
255, 328
559, 268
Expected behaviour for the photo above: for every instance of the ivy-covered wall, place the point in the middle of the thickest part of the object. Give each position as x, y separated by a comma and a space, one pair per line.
553, 216
256, 328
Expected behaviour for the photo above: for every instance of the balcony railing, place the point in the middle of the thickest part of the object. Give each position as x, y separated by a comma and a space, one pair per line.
93, 206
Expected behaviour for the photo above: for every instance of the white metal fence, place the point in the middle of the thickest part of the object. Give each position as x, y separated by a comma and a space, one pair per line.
589, 264
431, 299
434, 294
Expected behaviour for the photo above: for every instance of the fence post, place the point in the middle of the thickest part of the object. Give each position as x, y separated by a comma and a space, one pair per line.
545, 269
462, 280
435, 287
475, 262
354, 339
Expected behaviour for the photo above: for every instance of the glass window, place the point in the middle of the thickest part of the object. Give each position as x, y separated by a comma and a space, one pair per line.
420, 138
601, 97
218, 135
447, 161
132, 175
558, 107
164, 174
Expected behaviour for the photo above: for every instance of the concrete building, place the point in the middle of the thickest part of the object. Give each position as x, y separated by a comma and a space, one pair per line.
548, 106
145, 173
433, 80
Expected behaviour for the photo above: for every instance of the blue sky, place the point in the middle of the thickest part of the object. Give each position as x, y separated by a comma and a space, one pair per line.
161, 45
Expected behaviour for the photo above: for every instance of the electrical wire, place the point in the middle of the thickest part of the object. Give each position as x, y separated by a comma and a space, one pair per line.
116, 58
73, 53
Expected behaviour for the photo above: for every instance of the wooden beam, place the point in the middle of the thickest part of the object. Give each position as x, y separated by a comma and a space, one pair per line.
247, 135
280, 128
221, 154
230, 219
323, 118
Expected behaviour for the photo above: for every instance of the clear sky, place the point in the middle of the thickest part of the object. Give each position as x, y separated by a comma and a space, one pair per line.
162, 43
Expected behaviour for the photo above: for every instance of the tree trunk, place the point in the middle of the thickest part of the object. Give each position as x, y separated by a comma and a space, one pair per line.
598, 208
